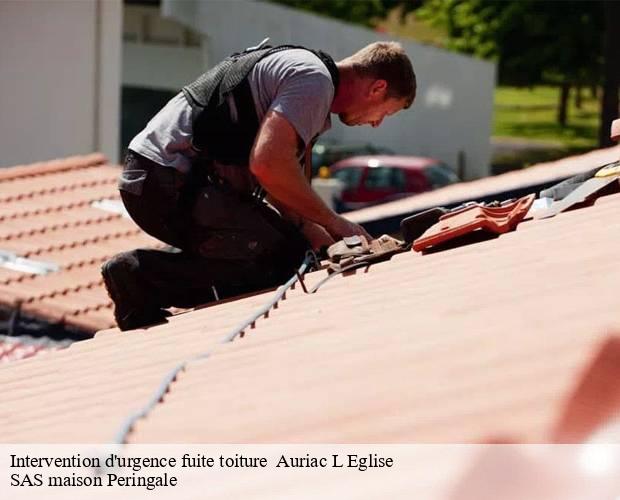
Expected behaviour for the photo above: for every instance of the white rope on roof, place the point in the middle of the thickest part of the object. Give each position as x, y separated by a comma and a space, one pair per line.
169, 378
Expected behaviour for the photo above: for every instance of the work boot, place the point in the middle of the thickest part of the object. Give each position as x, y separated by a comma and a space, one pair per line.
131, 309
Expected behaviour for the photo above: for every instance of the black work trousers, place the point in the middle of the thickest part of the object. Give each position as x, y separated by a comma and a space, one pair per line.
223, 240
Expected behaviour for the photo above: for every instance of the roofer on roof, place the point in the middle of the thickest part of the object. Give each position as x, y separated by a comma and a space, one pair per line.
196, 177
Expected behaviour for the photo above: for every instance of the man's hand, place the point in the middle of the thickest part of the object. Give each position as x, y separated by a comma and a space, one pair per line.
341, 227
316, 235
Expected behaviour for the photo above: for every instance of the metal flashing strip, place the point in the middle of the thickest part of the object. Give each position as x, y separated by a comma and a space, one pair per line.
113, 206
586, 191
11, 261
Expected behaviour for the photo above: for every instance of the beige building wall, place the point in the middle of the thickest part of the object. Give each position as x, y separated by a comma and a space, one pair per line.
159, 53
60, 78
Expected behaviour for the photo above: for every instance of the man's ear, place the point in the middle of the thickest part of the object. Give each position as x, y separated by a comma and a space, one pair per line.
378, 88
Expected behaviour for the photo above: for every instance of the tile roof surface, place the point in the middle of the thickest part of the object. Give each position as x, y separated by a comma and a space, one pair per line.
47, 215
16, 348
483, 340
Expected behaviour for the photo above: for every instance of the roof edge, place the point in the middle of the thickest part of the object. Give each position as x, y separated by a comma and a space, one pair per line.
53, 166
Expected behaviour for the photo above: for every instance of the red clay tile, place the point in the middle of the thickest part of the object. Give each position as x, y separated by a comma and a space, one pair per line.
7, 275
41, 185
68, 301
37, 287
61, 165
35, 224
46, 215
93, 320
102, 250
497, 220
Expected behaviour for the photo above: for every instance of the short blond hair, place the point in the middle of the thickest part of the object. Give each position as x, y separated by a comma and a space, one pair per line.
387, 61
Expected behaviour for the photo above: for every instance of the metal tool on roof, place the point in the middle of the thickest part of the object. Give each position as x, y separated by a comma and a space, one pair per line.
113, 206
497, 219
562, 189
593, 187
539, 204
9, 260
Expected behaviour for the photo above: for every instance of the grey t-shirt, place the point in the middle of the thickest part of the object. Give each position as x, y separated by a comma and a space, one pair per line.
294, 83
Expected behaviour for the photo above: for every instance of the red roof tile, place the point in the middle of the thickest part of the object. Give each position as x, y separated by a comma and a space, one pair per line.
496, 220
49, 167
46, 215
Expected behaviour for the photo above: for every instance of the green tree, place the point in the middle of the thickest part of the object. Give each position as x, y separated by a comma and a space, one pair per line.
533, 41
364, 12
610, 102
572, 43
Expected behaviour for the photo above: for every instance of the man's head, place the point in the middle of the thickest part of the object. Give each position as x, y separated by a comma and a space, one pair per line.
376, 82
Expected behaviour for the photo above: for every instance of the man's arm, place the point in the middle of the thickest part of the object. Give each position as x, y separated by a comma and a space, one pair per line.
274, 164
317, 235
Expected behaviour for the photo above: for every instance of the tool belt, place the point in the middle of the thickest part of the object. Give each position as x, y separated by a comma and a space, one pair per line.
357, 250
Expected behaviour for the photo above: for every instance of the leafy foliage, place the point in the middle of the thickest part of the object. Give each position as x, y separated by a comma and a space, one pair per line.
364, 12
360, 12
532, 41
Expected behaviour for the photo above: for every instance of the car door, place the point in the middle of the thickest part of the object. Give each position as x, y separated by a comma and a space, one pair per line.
382, 183
351, 178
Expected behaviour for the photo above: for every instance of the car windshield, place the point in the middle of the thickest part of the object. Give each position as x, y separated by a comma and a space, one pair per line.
385, 177
440, 175
350, 177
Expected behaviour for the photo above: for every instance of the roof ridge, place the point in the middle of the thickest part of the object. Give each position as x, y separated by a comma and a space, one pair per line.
85, 241
69, 289
45, 210
64, 225
53, 166
57, 189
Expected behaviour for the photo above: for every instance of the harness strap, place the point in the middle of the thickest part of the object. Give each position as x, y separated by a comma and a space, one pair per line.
225, 122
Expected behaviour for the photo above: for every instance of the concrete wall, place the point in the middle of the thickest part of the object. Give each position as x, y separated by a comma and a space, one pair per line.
60, 67
143, 64
159, 53
453, 110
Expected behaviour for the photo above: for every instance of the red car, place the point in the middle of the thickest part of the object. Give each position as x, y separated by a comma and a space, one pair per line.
369, 180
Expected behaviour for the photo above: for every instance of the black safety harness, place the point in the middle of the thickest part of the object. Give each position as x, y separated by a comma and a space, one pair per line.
225, 123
